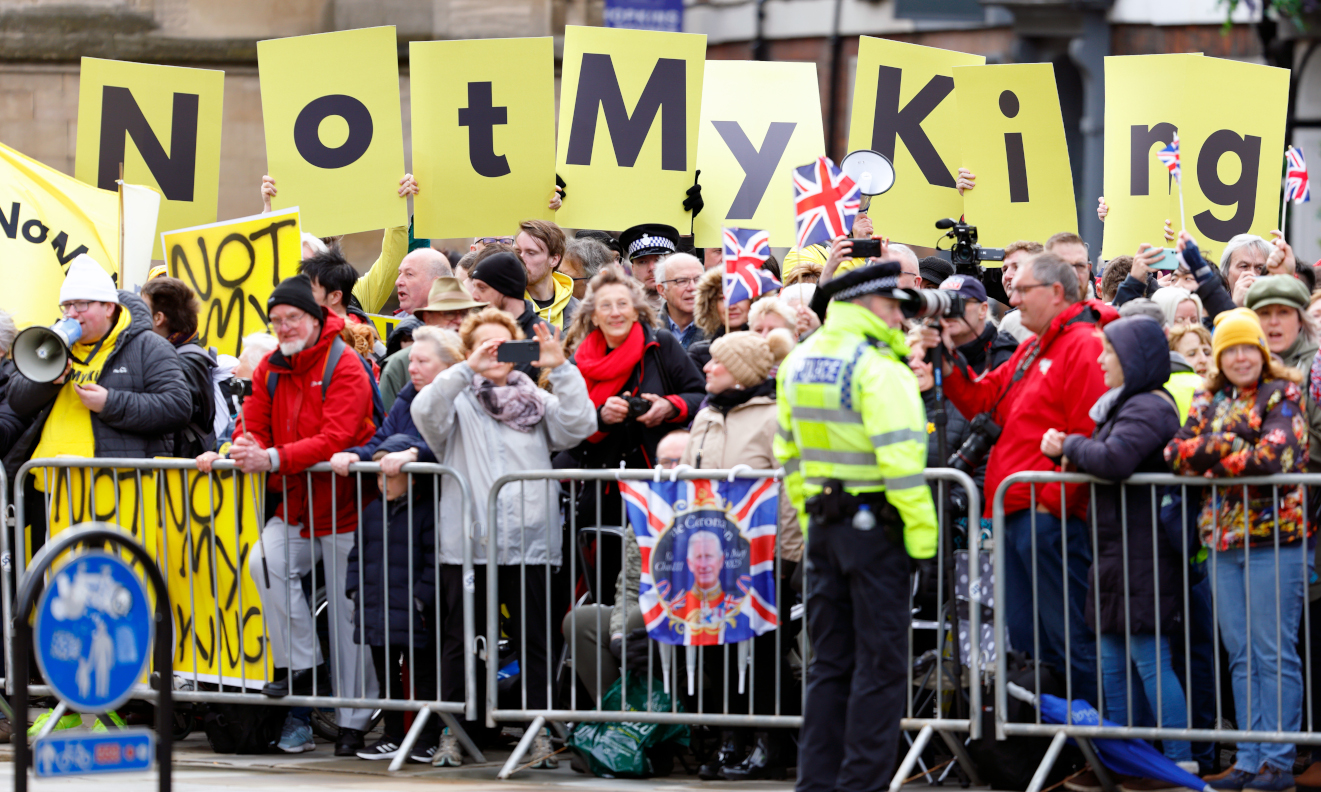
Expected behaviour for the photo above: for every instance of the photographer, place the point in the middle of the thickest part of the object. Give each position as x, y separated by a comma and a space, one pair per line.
981, 344
1051, 382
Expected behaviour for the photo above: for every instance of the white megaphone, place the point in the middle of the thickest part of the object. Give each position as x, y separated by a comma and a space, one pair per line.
42, 353
871, 170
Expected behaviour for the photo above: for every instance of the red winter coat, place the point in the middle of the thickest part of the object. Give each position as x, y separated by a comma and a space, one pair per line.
1056, 392
305, 431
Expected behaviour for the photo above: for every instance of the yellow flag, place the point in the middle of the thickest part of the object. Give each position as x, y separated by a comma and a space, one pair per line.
233, 267
334, 138
1232, 162
163, 123
484, 128
748, 147
1013, 140
1142, 113
904, 107
630, 101
47, 218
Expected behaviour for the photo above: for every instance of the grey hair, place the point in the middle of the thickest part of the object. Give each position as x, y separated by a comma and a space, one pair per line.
1239, 242
1142, 306
1049, 268
445, 343
799, 292
259, 344
7, 332
897, 250
591, 253
663, 264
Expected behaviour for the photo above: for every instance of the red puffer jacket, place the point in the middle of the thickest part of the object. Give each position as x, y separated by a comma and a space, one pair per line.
305, 431
1056, 391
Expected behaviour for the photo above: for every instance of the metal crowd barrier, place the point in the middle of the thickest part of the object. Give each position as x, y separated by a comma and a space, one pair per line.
73, 484
1284, 578
731, 673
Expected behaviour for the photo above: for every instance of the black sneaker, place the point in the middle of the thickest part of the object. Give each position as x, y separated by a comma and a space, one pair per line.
384, 748
349, 743
423, 755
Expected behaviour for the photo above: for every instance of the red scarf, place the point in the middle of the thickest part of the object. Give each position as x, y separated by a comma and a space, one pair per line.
607, 373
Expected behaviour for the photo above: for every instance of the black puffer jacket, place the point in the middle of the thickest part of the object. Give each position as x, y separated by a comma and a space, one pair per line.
148, 400
403, 599
1130, 438
12, 426
990, 350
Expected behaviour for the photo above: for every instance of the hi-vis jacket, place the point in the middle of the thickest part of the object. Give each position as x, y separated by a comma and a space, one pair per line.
849, 409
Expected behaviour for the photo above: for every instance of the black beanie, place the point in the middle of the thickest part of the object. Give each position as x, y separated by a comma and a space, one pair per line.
295, 291
502, 272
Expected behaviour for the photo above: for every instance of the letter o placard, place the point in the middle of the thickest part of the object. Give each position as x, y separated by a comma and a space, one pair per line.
307, 127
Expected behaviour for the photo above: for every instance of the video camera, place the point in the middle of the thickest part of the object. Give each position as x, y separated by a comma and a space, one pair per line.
965, 254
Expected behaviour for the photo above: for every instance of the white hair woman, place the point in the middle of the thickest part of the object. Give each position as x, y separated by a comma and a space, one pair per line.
1179, 306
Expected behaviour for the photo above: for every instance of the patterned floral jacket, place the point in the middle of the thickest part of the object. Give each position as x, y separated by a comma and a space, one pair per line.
1245, 432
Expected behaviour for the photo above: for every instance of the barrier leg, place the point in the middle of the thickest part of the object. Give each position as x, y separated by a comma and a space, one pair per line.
410, 739
961, 755
1047, 762
1102, 775
523, 745
464, 739
910, 759
49, 725
6, 709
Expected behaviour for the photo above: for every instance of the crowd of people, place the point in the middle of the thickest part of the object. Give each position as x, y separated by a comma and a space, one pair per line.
544, 350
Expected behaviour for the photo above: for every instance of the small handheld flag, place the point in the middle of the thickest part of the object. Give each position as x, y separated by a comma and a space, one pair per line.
1296, 187
825, 202
746, 250
1169, 157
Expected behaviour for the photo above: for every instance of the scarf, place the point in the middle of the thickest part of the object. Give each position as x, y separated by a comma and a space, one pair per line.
727, 400
516, 404
605, 370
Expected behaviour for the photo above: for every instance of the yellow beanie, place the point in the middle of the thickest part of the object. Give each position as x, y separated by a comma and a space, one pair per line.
1239, 326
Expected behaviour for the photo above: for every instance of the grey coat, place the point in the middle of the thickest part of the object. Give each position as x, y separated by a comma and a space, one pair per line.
148, 397
464, 437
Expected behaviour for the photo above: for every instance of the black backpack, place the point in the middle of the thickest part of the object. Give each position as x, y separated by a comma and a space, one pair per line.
337, 349
243, 728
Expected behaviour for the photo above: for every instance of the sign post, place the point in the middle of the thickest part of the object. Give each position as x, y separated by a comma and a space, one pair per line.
94, 627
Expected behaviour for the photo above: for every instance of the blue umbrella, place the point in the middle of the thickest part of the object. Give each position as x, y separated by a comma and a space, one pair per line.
1129, 757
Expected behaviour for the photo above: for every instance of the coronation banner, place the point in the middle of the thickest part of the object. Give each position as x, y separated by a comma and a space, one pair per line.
233, 267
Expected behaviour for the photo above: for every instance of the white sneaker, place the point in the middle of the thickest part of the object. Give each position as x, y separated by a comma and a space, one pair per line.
543, 753
447, 753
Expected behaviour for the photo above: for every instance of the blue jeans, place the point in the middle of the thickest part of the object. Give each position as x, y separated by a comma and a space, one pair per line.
1263, 655
1115, 681
1052, 601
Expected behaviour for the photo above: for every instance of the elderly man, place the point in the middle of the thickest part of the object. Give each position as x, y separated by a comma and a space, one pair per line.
1242, 262
311, 398
676, 280
417, 272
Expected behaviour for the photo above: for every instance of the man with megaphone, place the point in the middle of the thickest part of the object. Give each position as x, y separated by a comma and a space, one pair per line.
99, 383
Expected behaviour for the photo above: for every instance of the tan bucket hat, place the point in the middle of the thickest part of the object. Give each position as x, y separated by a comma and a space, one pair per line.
448, 294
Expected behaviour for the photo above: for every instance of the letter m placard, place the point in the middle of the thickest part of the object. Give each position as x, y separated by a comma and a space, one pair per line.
598, 87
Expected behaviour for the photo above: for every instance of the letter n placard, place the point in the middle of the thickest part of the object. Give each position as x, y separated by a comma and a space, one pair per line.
630, 102
163, 123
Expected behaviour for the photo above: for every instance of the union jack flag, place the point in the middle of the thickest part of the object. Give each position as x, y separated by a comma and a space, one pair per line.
1169, 157
825, 202
745, 251
1296, 188
708, 557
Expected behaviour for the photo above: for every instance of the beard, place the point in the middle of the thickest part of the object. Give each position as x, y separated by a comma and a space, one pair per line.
293, 347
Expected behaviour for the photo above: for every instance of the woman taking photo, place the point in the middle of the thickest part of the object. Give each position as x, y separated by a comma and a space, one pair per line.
484, 418
1249, 422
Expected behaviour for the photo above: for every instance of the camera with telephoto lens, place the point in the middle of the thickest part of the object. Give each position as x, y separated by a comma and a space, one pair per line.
983, 432
637, 406
928, 303
965, 254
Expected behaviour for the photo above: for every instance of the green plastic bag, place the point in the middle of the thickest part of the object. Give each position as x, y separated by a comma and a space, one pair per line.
620, 749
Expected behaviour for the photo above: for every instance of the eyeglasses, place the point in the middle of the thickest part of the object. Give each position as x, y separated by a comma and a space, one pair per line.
77, 307
278, 324
668, 462
496, 240
1021, 289
682, 283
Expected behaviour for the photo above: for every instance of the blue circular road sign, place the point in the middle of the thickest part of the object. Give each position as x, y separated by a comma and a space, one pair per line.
93, 632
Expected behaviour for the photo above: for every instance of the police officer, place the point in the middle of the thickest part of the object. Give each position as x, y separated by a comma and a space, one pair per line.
853, 443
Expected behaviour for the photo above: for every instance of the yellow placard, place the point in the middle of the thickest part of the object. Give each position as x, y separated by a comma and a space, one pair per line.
484, 127
126, 498
1012, 138
163, 123
46, 219
209, 529
630, 101
747, 147
1232, 162
904, 107
1141, 115
334, 138
384, 324
233, 267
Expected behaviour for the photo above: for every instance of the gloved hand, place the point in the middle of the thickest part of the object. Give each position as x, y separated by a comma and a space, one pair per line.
559, 182
353, 611
638, 650
1191, 258
694, 203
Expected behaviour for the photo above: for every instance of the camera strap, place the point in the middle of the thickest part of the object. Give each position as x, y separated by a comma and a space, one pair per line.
1019, 372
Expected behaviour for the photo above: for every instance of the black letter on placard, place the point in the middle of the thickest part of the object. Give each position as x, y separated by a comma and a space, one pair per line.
666, 93
1015, 156
758, 166
120, 116
480, 117
1141, 139
891, 121
307, 137
1242, 192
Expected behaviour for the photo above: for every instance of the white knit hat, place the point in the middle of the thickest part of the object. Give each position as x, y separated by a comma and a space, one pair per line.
86, 280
